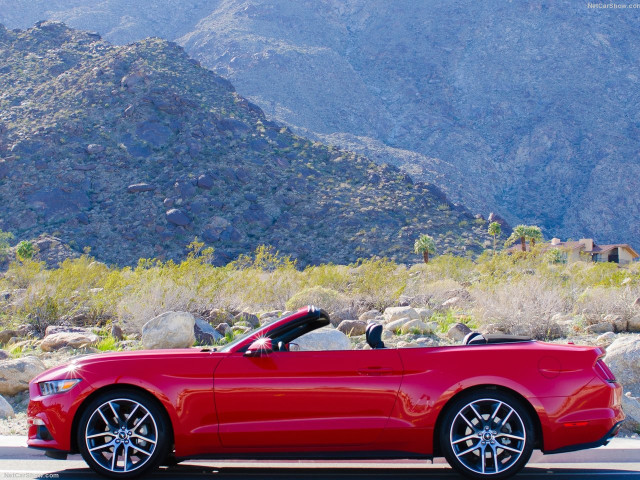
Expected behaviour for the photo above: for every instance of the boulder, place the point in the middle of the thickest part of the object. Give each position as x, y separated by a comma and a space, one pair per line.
338, 316
116, 332
452, 302
396, 325
205, 181
636, 303
217, 316
16, 374
52, 329
272, 313
177, 217
248, 318
392, 314
369, 315
457, 332
240, 329
617, 321
267, 320
404, 301
631, 408
4, 355
56, 341
169, 330
132, 80
140, 187
6, 335
600, 327
623, 358
95, 148
606, 339
416, 326
424, 313
633, 325
352, 327
205, 334
323, 339
223, 329
6, 410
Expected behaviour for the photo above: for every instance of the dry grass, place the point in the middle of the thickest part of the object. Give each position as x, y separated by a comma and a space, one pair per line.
519, 294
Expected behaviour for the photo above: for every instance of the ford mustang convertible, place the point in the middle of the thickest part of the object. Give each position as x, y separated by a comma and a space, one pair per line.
484, 405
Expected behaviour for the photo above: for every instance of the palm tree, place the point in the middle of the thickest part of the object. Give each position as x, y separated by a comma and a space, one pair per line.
519, 233
494, 230
534, 235
425, 245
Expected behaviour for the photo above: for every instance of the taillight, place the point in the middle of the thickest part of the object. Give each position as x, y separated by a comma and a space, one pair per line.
603, 371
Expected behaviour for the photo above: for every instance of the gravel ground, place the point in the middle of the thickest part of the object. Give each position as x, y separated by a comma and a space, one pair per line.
16, 425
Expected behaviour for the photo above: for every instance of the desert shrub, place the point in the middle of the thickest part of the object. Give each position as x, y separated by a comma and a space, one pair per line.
154, 287
265, 280
459, 269
21, 274
26, 250
555, 255
377, 283
325, 298
605, 274
41, 312
4, 243
598, 301
336, 277
525, 307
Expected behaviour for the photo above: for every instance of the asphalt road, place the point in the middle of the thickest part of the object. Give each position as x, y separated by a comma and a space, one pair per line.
619, 460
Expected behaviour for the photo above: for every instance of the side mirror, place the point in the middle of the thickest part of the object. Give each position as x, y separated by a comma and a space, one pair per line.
260, 347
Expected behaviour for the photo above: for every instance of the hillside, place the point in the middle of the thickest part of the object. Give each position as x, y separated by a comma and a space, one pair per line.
527, 109
133, 151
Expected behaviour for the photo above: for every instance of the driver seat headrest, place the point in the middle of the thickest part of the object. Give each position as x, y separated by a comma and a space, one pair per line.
373, 335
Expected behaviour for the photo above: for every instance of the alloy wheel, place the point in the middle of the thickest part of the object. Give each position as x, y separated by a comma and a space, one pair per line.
121, 435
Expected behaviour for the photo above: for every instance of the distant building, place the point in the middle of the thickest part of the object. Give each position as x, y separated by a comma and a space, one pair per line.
620, 253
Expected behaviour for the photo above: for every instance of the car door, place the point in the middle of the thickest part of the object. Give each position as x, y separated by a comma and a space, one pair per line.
298, 399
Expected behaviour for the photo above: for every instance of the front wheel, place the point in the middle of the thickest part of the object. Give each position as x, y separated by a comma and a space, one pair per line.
123, 434
487, 434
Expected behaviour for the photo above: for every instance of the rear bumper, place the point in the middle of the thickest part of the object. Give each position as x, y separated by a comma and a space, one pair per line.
598, 443
586, 420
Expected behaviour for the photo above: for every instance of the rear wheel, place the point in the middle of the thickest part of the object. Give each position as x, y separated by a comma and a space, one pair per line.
487, 434
123, 434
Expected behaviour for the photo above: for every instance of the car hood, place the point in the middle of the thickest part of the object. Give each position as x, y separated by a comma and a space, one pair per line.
66, 370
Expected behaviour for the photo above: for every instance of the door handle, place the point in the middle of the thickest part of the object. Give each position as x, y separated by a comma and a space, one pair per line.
375, 371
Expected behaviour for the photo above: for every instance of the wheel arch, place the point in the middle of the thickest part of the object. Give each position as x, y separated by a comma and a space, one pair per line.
114, 388
537, 425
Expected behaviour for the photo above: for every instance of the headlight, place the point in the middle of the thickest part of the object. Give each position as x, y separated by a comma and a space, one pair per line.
57, 386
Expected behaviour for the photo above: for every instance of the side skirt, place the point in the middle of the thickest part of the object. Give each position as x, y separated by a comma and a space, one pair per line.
369, 455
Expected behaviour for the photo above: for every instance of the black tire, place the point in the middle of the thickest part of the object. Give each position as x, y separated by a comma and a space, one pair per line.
487, 434
129, 424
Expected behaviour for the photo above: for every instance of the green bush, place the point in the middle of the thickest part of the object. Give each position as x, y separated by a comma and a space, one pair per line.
26, 250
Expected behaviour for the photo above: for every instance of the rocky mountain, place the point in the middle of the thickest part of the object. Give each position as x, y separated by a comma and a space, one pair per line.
529, 109
135, 150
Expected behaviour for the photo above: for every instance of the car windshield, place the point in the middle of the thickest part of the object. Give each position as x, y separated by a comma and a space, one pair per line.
241, 338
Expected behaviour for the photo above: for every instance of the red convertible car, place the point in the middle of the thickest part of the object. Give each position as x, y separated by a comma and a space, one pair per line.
484, 405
